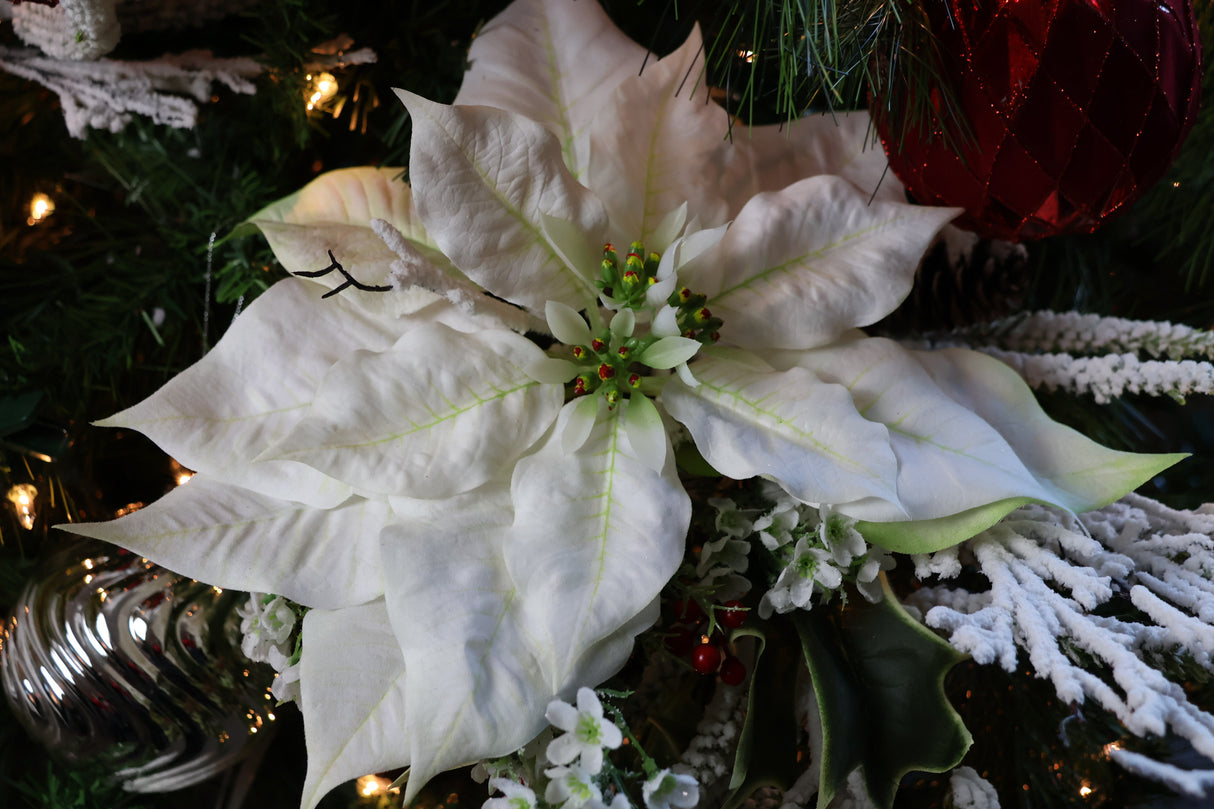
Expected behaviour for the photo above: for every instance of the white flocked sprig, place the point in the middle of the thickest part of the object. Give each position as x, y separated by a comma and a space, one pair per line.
1098, 356
1050, 573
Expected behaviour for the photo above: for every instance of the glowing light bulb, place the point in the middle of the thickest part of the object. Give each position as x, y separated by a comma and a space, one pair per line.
41, 206
321, 88
370, 785
747, 56
22, 496
180, 474
1085, 790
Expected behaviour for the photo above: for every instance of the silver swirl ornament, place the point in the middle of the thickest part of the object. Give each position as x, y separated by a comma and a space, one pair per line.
109, 659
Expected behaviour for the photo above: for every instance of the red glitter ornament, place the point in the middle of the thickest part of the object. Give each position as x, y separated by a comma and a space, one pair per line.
1074, 109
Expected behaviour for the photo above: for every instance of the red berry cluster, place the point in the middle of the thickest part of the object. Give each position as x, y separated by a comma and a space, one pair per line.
709, 654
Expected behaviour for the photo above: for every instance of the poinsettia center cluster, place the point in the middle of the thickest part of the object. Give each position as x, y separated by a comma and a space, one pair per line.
614, 361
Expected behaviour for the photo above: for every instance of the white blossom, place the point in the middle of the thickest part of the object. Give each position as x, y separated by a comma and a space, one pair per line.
572, 788
668, 789
514, 795
828, 552
267, 628
285, 687
587, 732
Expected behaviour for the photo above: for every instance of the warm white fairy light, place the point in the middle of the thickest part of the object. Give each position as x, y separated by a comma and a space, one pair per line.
22, 496
747, 56
370, 785
180, 474
1085, 790
321, 88
41, 206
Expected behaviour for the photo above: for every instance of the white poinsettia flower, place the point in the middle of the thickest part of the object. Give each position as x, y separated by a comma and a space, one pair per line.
587, 732
481, 524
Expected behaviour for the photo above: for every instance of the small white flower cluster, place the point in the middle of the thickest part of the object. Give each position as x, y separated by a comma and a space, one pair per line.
725, 560
1075, 333
268, 624
105, 94
1109, 376
820, 550
578, 754
1049, 574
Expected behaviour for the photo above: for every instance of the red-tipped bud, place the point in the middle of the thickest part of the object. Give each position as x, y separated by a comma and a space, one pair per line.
597, 344
606, 371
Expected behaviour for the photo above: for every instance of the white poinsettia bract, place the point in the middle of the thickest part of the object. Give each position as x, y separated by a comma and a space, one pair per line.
481, 519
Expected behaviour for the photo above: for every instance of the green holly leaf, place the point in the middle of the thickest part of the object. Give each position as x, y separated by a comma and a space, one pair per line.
767, 746
878, 676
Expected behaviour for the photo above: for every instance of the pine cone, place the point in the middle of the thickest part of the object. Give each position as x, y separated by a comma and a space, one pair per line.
962, 281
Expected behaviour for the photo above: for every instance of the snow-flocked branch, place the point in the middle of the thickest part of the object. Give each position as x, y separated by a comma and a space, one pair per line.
1049, 572
1110, 376
104, 94
1076, 333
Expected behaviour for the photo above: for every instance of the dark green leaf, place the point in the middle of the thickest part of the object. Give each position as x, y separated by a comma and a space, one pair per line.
879, 679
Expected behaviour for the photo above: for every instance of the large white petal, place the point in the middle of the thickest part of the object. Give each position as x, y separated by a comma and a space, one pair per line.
334, 213
970, 434
440, 413
352, 695
553, 61
476, 688
1079, 474
250, 390
770, 157
800, 266
484, 180
231, 537
788, 426
597, 534
659, 143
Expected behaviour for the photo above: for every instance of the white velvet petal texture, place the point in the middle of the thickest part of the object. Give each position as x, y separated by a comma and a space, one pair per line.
800, 266
582, 57
235, 538
352, 687
483, 181
244, 396
426, 417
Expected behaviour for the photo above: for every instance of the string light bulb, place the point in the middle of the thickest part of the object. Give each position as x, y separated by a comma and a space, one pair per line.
371, 785
41, 206
22, 496
181, 475
321, 89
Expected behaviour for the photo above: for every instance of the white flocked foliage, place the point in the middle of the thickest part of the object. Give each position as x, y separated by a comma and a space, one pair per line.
1049, 573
